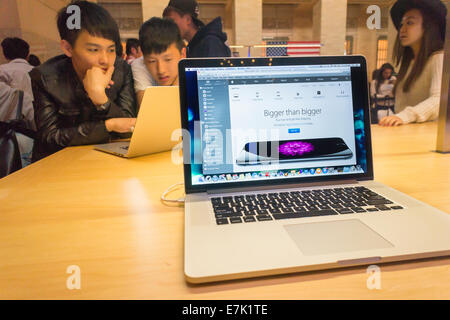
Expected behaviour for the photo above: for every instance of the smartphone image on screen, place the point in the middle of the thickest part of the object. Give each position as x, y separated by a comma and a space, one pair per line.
266, 152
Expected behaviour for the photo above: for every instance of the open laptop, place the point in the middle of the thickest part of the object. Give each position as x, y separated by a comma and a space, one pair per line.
158, 118
279, 174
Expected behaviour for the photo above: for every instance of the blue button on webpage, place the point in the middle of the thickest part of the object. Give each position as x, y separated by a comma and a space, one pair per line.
294, 130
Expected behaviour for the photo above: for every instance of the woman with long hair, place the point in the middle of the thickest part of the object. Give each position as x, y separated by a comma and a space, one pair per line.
418, 49
382, 91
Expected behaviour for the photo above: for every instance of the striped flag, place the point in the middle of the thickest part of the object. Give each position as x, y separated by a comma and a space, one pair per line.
292, 48
279, 49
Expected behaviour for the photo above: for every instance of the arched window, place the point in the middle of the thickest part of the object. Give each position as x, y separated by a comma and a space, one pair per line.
382, 51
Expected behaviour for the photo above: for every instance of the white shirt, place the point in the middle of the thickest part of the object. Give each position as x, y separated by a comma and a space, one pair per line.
141, 75
8, 110
15, 75
421, 103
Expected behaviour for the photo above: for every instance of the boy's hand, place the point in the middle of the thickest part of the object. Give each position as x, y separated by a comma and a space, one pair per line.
120, 125
95, 82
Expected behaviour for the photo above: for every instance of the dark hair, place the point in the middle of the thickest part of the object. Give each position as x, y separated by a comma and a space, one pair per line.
94, 19
157, 34
131, 43
34, 60
430, 43
379, 75
15, 48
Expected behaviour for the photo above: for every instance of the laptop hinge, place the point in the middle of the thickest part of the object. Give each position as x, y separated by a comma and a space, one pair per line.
282, 186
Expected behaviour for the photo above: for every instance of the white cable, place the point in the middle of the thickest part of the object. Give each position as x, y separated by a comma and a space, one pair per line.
169, 190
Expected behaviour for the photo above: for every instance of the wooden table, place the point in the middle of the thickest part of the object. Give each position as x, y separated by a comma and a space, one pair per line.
103, 214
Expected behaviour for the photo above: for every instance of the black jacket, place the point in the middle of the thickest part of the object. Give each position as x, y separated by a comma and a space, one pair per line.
64, 113
209, 41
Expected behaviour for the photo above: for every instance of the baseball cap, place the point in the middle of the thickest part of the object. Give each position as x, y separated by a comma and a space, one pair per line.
185, 7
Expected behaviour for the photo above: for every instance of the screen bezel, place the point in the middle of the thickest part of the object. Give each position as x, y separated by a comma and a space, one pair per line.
360, 96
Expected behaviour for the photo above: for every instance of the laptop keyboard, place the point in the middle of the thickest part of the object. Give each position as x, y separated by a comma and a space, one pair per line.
298, 204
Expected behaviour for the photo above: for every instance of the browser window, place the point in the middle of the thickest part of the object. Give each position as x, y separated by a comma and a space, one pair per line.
275, 122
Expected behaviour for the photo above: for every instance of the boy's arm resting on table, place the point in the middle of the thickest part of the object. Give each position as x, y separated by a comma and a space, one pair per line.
49, 118
48, 122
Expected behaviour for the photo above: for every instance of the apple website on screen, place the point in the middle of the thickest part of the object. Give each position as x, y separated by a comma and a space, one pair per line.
274, 122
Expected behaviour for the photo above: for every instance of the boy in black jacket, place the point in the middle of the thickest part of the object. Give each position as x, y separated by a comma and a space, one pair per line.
85, 95
204, 41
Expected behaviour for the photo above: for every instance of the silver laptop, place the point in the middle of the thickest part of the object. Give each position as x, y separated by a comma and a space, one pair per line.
279, 174
158, 118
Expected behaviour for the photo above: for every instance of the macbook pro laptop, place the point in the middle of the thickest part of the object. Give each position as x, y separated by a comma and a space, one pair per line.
278, 172
158, 118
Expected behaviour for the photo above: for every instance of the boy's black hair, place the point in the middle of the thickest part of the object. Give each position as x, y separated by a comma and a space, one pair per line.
131, 43
94, 19
15, 48
157, 34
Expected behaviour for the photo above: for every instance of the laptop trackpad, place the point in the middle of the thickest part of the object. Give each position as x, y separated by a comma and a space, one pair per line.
335, 236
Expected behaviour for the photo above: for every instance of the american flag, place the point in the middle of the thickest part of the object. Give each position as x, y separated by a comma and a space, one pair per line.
292, 48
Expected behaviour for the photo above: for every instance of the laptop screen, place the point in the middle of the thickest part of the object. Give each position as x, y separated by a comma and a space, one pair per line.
274, 123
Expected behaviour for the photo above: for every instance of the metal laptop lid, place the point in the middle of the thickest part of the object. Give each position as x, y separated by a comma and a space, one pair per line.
274, 121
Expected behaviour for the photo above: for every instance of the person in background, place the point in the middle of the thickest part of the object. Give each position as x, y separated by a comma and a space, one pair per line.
34, 60
7, 109
8, 112
382, 91
13, 77
418, 49
204, 40
162, 49
84, 96
15, 72
133, 50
